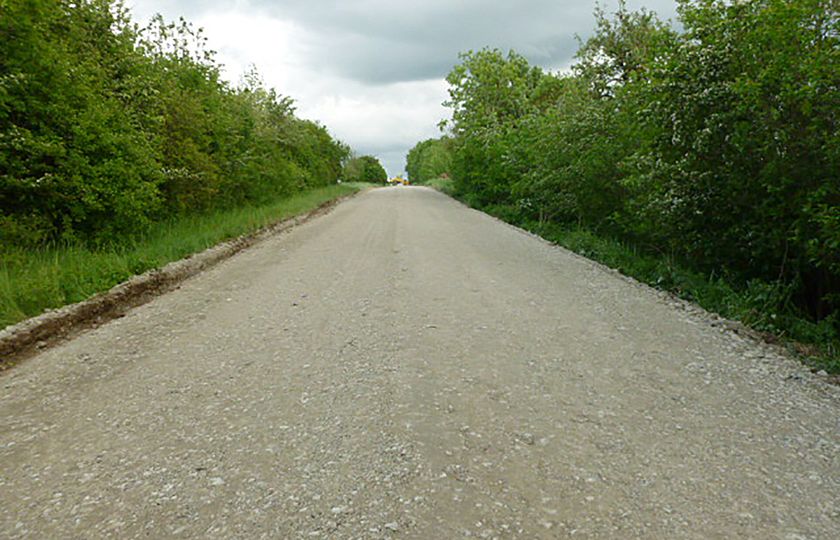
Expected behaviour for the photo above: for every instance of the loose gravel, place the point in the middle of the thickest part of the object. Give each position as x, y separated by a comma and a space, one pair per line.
405, 367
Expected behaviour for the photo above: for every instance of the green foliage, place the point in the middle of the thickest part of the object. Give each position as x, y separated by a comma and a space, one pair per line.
489, 94
365, 169
428, 160
442, 184
73, 162
715, 148
744, 169
106, 129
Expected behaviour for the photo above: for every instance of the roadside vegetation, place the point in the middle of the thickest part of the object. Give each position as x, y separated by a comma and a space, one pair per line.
428, 160
442, 184
121, 148
364, 169
703, 161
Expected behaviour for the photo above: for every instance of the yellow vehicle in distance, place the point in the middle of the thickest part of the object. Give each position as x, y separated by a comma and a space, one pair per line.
398, 181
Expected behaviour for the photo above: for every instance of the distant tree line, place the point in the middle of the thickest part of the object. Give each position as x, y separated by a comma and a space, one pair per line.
718, 144
365, 169
105, 127
429, 159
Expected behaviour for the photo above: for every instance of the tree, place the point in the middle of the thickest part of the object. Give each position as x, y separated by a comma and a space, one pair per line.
365, 169
105, 128
490, 94
745, 167
429, 159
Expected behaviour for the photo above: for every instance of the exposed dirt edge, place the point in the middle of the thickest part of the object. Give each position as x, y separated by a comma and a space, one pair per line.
24, 339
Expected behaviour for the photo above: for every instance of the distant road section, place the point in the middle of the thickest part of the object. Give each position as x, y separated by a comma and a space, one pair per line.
405, 367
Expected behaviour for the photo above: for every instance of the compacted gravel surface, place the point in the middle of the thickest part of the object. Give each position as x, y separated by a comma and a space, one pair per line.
405, 367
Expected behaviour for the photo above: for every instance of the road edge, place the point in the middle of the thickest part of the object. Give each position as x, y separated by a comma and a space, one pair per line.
31, 336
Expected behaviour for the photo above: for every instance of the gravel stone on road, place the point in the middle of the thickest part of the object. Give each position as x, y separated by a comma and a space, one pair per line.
405, 367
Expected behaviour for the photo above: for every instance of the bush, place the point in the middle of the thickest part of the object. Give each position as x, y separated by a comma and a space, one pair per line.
105, 129
365, 169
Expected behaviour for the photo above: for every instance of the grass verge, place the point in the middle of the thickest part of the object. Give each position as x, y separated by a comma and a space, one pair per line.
441, 184
764, 307
32, 281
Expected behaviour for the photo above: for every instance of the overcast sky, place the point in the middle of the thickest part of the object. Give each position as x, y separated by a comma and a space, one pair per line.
372, 71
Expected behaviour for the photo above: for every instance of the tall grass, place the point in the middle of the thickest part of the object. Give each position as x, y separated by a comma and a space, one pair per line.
441, 184
32, 281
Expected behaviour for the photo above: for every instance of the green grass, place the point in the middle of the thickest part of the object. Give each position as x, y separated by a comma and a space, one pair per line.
441, 184
33, 281
358, 186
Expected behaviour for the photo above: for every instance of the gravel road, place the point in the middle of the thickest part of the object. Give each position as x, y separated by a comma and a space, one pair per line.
404, 367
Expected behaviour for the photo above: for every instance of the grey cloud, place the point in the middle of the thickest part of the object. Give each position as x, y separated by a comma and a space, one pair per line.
384, 41
393, 160
378, 60
381, 41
